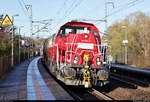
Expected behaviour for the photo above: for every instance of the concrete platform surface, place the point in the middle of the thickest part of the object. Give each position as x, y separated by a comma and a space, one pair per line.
30, 81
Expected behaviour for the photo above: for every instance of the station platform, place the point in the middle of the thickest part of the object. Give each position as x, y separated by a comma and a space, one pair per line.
30, 81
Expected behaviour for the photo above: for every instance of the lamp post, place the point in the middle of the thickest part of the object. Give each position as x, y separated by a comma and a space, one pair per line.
19, 40
12, 64
24, 47
125, 42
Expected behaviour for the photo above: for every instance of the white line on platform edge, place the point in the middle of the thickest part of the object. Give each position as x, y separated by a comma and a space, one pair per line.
31, 95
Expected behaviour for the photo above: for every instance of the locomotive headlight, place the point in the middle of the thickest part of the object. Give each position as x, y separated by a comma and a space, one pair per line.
86, 36
76, 59
98, 61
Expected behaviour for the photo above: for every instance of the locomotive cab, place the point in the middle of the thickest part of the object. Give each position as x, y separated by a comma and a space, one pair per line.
76, 56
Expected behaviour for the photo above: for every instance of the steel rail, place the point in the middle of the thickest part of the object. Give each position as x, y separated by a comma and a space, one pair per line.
121, 80
100, 95
129, 78
130, 83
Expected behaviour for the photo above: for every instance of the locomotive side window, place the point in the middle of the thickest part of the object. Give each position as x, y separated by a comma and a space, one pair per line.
95, 32
62, 33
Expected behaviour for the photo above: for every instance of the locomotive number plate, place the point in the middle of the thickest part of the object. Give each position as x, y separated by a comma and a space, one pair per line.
85, 46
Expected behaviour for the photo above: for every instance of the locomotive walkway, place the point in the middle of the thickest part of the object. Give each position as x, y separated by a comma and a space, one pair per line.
30, 81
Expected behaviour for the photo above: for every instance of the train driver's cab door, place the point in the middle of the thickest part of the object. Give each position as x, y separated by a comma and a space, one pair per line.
61, 33
61, 37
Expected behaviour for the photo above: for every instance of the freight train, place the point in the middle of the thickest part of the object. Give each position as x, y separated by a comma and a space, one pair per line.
76, 56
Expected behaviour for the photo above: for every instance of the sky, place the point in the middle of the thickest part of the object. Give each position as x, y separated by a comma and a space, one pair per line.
63, 11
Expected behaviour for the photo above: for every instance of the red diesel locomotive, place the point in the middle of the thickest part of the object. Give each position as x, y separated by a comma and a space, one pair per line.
75, 55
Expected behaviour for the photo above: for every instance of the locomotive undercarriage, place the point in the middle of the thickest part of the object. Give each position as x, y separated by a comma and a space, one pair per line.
78, 75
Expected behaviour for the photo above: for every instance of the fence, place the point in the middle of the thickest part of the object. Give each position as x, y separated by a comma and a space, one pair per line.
133, 60
5, 63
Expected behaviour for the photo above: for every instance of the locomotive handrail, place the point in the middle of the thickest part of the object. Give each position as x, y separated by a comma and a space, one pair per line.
99, 52
135, 70
89, 50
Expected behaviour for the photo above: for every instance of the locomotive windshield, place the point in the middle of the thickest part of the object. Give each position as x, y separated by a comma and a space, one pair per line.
74, 30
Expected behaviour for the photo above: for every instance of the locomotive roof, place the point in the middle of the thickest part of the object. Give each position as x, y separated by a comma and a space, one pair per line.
78, 23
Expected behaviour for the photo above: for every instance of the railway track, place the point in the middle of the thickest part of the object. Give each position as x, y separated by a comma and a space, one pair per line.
96, 94
100, 95
80, 93
89, 94
138, 84
134, 80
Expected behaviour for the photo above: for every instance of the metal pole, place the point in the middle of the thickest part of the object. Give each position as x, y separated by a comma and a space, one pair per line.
126, 47
125, 54
125, 41
28, 52
12, 51
31, 29
38, 35
30, 47
106, 14
38, 32
24, 47
19, 44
